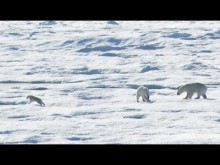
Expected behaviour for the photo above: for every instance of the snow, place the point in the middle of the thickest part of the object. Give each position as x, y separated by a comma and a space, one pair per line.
87, 73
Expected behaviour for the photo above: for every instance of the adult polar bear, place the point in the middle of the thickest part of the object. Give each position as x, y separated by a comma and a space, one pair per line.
192, 88
144, 93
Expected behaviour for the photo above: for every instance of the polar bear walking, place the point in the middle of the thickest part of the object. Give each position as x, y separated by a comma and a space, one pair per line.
35, 99
190, 89
144, 93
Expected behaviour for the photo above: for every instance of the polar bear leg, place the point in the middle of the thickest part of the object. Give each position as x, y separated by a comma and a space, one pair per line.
190, 95
198, 96
186, 96
204, 96
138, 97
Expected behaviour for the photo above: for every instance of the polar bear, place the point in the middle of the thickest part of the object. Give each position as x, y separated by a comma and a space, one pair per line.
144, 93
192, 88
33, 98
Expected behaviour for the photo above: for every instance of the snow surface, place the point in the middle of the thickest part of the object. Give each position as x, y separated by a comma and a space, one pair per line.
87, 73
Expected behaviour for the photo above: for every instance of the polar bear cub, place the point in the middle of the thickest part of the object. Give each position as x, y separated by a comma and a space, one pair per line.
144, 93
192, 88
36, 99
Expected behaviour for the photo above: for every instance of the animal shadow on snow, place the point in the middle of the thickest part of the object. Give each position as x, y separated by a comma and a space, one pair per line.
210, 99
38, 105
148, 102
